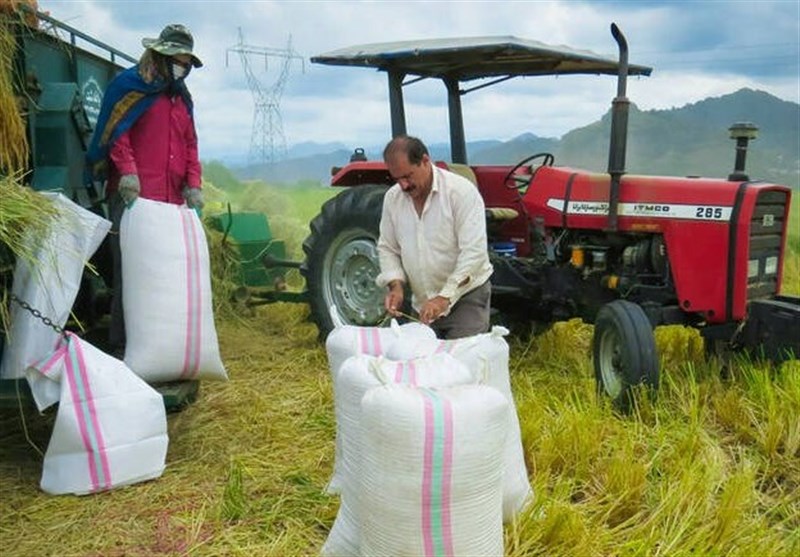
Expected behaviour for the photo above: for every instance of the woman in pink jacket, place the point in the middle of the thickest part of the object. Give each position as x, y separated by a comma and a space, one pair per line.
145, 143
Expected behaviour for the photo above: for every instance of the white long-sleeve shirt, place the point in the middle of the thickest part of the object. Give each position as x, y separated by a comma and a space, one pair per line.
443, 252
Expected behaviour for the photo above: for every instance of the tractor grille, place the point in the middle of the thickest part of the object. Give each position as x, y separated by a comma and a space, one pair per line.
766, 237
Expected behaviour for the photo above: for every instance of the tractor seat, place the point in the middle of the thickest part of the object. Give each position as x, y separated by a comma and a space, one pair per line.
501, 213
492, 213
463, 170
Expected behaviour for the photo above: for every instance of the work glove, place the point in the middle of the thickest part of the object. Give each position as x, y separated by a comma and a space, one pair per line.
129, 188
193, 197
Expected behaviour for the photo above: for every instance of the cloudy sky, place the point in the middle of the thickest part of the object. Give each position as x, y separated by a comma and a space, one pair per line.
697, 48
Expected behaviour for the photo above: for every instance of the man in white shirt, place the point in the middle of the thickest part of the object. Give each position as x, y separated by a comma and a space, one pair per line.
433, 236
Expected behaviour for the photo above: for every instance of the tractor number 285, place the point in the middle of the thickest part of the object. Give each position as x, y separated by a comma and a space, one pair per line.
708, 212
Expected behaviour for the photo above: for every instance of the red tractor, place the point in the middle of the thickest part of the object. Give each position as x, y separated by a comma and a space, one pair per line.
626, 253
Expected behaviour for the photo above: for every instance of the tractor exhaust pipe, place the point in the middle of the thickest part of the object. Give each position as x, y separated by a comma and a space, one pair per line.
619, 128
743, 133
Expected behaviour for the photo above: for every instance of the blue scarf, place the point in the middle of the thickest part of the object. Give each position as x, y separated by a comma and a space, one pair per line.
127, 97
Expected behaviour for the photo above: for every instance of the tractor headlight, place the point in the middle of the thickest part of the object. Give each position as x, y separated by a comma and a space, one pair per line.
771, 265
752, 268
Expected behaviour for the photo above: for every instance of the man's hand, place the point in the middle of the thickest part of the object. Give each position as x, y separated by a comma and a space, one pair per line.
193, 197
394, 298
129, 188
433, 309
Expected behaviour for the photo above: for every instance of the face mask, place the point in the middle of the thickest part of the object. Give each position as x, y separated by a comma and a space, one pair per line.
179, 71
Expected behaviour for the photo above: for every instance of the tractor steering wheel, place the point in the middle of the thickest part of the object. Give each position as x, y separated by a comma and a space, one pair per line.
522, 181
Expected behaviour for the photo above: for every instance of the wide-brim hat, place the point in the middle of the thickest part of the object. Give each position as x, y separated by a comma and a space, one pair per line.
174, 39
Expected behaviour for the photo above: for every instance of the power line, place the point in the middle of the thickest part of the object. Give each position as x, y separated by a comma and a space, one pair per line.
267, 141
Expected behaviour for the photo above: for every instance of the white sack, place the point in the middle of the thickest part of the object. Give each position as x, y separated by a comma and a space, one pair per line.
111, 427
51, 285
350, 340
432, 471
356, 376
166, 293
486, 354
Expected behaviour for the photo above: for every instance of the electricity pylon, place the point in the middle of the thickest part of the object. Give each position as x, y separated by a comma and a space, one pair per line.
267, 142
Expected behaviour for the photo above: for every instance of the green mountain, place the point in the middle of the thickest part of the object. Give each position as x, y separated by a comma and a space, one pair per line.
694, 140
513, 151
689, 141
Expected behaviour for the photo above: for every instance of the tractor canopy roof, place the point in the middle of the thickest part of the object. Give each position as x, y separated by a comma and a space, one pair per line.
458, 60
468, 58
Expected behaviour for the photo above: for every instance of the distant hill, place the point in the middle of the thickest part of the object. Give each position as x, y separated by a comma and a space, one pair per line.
441, 151
312, 167
515, 150
308, 148
690, 140
694, 139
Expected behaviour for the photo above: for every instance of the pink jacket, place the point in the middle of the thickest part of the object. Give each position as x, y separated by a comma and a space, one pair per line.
161, 149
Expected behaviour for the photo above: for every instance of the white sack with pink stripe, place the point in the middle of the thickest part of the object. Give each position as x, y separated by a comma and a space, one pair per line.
357, 375
345, 341
166, 293
111, 426
432, 471
51, 284
487, 354
349, 340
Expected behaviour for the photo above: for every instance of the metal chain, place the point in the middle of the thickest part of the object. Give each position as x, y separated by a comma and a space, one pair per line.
38, 315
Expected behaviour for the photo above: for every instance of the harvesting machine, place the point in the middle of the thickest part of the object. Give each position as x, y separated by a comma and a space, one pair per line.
58, 76
624, 252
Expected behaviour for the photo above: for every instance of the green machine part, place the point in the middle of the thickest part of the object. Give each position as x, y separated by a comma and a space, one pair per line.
60, 131
63, 81
251, 235
60, 76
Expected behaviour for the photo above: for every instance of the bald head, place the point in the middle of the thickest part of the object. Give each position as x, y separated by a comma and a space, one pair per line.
410, 166
413, 148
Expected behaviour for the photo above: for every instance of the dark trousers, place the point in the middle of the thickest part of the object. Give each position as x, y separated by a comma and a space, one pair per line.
468, 317
116, 329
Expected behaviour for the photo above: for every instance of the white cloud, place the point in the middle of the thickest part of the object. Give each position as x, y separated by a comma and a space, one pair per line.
660, 92
697, 51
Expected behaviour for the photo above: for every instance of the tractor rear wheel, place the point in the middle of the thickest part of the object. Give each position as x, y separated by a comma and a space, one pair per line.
341, 260
624, 353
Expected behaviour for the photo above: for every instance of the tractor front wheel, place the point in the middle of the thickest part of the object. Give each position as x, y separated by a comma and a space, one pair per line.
624, 353
341, 261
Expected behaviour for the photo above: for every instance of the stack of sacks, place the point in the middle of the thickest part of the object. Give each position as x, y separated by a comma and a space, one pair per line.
166, 292
357, 375
431, 476
348, 340
486, 355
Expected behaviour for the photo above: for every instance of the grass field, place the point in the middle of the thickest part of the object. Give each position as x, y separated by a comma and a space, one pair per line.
710, 468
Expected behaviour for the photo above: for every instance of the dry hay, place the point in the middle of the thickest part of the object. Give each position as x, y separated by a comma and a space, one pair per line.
223, 254
224, 262
246, 468
13, 140
225, 258
25, 218
248, 462
710, 468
